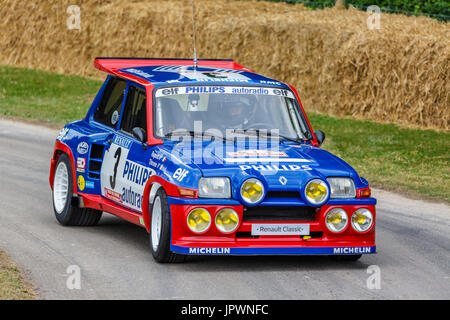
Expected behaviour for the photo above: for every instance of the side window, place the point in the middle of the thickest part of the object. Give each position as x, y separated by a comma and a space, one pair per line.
135, 113
110, 105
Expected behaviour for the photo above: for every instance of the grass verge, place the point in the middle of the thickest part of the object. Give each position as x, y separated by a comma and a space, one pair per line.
412, 161
12, 284
47, 98
406, 160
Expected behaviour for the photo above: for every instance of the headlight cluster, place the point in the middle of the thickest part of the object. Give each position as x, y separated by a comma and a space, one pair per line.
215, 187
362, 220
342, 187
227, 220
316, 192
199, 220
336, 220
252, 191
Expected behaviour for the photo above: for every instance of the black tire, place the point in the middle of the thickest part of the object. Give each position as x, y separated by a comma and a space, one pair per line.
72, 215
162, 253
351, 257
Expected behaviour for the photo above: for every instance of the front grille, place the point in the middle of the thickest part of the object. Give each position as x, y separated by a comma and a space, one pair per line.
283, 194
279, 213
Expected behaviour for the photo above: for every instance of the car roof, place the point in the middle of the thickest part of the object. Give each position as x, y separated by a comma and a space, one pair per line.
159, 72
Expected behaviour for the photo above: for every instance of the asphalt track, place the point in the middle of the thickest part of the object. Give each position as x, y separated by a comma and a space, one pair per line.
413, 244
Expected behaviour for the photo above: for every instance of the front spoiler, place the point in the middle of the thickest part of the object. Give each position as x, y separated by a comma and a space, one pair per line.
291, 250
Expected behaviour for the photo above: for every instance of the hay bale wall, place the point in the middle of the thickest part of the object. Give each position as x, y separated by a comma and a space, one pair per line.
399, 73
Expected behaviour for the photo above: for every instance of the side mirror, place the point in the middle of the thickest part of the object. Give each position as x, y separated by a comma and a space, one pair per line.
141, 135
320, 135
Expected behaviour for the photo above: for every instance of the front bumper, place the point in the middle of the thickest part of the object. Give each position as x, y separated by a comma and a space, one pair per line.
269, 249
320, 242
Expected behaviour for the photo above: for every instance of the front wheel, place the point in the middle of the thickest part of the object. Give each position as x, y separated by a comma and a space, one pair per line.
160, 230
65, 205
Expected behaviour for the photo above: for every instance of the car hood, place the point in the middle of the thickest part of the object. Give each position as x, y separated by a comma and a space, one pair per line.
281, 166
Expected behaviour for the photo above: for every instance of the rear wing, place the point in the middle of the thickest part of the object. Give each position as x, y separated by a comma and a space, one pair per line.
111, 65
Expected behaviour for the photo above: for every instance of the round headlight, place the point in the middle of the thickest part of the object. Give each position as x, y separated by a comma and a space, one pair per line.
336, 220
316, 191
227, 220
199, 220
252, 190
362, 220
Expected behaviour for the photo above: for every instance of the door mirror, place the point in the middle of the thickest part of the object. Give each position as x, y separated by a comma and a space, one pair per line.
141, 135
320, 135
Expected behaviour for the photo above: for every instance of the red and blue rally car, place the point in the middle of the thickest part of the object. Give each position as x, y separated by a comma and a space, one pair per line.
211, 159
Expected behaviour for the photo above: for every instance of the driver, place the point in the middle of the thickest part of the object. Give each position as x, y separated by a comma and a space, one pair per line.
236, 112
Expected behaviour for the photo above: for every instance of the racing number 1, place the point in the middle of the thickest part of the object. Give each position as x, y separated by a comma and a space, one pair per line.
112, 179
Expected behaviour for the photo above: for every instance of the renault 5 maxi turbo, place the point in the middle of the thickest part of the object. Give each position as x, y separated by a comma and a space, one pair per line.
211, 159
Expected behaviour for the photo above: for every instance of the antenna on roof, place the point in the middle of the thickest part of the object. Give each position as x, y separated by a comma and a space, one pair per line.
193, 33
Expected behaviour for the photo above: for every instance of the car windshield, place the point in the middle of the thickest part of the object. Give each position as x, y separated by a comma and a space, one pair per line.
200, 109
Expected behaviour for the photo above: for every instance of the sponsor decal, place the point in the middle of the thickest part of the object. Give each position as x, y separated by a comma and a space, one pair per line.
158, 156
83, 148
89, 184
205, 89
259, 91
114, 117
354, 250
272, 167
131, 197
158, 161
138, 72
257, 153
282, 180
136, 173
111, 194
180, 174
153, 163
283, 92
225, 90
81, 165
169, 91
123, 180
62, 133
122, 142
81, 183
270, 82
209, 250
280, 229
205, 74
141, 221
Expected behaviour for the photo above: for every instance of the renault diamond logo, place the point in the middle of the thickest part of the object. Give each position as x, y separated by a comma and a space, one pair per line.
283, 180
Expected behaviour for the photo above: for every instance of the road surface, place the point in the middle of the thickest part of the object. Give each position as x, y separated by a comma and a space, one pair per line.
413, 244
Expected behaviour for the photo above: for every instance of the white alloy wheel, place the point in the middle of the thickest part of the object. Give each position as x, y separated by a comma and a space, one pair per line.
156, 223
60, 187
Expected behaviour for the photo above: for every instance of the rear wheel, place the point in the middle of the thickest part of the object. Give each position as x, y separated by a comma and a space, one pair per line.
65, 205
160, 230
